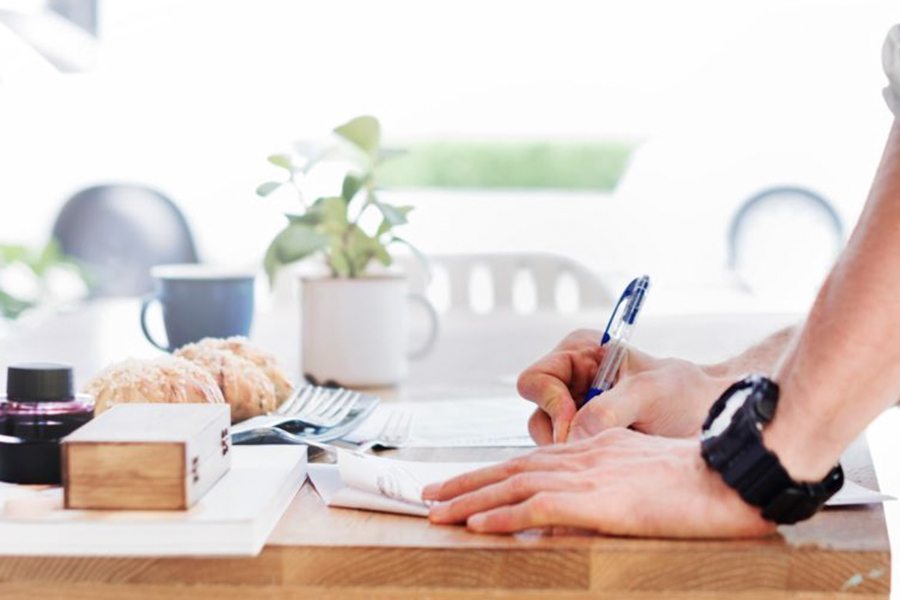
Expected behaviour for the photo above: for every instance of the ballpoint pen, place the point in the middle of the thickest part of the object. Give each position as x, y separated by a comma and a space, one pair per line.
615, 337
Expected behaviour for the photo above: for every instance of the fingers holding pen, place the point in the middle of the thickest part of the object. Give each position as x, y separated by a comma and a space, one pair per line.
554, 383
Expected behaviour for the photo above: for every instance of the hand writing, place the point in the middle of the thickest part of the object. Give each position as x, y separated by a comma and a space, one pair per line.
661, 396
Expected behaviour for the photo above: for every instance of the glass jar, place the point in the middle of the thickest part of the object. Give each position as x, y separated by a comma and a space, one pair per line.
40, 403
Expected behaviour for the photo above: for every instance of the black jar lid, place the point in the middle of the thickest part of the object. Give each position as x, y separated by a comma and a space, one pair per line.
39, 382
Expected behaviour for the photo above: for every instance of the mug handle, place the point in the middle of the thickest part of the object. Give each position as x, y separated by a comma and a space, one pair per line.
426, 347
145, 304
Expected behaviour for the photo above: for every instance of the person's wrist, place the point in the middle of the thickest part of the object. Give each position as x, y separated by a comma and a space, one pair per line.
717, 378
801, 442
724, 495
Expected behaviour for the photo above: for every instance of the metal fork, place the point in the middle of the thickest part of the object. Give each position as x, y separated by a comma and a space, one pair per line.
310, 406
395, 432
318, 406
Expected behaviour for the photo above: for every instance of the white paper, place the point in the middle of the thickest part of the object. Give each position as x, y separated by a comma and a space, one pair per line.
381, 484
479, 422
853, 493
389, 485
234, 518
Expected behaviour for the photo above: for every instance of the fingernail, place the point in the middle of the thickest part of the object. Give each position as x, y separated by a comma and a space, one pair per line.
430, 491
476, 522
436, 514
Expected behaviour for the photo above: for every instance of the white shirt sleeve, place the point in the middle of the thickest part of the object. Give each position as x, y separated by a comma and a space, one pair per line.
890, 56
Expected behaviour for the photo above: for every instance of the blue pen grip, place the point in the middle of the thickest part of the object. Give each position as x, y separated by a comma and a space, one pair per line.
591, 394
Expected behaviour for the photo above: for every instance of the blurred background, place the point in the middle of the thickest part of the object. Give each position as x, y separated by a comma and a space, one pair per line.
725, 148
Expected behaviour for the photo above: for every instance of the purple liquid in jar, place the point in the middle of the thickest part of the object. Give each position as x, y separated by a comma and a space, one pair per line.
40, 403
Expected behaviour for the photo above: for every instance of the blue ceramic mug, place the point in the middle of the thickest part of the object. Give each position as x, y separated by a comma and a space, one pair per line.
199, 301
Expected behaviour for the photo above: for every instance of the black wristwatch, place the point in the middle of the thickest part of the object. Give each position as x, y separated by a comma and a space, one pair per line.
731, 444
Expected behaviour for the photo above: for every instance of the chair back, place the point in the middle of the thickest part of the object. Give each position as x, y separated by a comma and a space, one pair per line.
505, 278
118, 232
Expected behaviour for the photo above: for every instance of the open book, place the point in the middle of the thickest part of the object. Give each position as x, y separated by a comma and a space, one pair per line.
388, 485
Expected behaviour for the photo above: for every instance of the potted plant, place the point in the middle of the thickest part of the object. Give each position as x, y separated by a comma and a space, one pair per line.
353, 321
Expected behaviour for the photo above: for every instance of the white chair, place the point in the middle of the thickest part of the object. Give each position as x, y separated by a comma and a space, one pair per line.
507, 280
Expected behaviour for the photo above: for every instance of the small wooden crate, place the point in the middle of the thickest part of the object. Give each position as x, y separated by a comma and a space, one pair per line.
146, 456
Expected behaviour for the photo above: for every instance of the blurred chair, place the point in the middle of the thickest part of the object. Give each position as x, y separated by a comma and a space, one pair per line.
118, 232
464, 284
783, 240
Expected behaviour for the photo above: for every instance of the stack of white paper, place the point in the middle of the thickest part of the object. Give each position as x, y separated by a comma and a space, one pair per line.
234, 518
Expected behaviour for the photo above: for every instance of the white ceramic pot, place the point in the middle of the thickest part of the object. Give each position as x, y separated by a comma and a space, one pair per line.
355, 332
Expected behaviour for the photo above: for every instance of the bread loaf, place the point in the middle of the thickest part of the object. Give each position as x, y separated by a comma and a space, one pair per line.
166, 379
244, 385
242, 347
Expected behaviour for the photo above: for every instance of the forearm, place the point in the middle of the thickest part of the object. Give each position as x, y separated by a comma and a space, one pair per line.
760, 358
845, 367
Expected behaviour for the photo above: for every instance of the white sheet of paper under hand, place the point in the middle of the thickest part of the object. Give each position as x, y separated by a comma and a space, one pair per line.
370, 482
382, 484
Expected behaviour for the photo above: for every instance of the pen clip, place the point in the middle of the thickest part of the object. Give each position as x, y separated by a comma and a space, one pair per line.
634, 296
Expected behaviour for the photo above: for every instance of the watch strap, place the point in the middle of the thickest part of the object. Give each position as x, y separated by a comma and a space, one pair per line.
755, 473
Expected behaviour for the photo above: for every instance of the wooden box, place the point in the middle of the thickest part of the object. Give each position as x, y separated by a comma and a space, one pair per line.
146, 456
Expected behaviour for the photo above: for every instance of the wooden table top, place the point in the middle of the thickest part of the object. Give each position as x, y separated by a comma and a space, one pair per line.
322, 552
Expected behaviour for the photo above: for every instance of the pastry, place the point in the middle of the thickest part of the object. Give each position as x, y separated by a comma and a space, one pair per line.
167, 379
242, 347
243, 384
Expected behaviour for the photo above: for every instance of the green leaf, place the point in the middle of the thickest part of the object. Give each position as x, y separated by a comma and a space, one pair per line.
271, 263
395, 215
332, 213
423, 260
337, 260
363, 132
264, 189
282, 160
298, 241
359, 248
352, 184
293, 243
383, 228
308, 218
381, 253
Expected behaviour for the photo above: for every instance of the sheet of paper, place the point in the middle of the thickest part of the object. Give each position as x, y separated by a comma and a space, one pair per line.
853, 493
382, 484
388, 485
480, 422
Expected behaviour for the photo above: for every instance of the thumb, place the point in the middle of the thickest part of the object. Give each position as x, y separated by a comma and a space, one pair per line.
615, 408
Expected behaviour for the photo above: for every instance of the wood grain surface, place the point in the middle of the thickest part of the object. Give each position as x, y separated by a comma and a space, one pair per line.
323, 553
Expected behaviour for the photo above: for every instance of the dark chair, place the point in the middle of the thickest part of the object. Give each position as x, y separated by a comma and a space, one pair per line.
118, 232
803, 209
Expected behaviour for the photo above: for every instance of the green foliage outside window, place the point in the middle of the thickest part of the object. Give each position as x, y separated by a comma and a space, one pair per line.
594, 166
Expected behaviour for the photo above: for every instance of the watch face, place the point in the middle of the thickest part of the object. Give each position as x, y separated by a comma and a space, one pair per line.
726, 410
